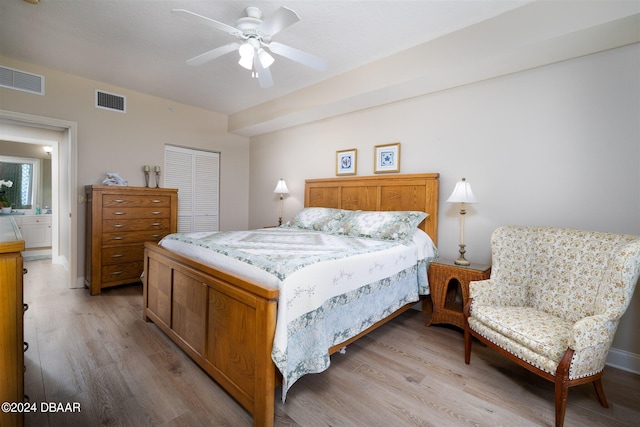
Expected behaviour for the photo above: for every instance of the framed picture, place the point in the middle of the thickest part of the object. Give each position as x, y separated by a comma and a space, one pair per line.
346, 162
386, 158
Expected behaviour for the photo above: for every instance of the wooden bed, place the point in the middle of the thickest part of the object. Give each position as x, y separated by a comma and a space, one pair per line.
227, 324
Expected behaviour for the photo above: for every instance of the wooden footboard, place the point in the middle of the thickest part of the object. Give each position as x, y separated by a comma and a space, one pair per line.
226, 324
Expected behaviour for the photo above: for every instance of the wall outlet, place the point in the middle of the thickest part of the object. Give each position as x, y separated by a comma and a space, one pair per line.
81, 198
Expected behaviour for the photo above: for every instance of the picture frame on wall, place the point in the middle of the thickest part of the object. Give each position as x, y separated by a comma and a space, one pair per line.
386, 158
347, 162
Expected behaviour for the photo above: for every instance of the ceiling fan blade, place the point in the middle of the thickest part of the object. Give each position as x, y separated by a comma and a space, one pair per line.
264, 74
213, 54
277, 21
217, 25
298, 56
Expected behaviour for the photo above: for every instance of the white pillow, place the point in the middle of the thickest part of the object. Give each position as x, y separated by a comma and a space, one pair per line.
384, 225
319, 219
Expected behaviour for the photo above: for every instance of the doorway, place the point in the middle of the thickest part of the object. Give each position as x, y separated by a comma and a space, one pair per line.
28, 128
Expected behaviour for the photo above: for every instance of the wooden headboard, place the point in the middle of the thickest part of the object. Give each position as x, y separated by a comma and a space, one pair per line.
411, 192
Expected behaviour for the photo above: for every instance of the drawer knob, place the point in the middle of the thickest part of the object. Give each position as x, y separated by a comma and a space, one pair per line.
118, 226
156, 224
156, 213
117, 255
156, 201
119, 213
156, 235
116, 273
118, 238
119, 200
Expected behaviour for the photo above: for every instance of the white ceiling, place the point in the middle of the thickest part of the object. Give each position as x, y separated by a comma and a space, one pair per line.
141, 45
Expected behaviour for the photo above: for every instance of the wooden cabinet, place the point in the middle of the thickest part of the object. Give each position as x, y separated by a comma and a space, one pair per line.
12, 344
35, 230
118, 222
449, 285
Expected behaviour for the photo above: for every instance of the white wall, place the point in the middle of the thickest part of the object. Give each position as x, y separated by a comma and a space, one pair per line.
556, 145
115, 142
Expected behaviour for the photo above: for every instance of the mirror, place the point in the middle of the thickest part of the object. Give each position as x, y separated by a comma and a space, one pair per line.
24, 176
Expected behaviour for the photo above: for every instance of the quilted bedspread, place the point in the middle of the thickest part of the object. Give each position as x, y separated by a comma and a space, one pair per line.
331, 287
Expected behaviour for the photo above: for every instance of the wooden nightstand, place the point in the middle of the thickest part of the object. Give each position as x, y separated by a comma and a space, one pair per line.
449, 284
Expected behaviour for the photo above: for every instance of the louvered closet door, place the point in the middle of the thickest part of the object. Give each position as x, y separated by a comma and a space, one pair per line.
196, 175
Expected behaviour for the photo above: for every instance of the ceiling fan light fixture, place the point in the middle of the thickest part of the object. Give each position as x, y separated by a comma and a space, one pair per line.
265, 59
247, 51
254, 36
246, 62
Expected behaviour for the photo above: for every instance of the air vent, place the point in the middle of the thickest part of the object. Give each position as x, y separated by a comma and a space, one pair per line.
21, 80
111, 101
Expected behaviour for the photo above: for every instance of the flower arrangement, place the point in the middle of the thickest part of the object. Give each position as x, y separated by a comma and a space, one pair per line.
3, 195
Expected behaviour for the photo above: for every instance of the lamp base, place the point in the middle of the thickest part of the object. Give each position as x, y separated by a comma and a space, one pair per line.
461, 260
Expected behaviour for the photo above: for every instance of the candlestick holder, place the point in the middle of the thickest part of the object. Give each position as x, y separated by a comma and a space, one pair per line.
157, 179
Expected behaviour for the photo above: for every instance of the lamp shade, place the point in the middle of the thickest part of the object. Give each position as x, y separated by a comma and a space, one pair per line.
265, 59
281, 187
246, 56
462, 193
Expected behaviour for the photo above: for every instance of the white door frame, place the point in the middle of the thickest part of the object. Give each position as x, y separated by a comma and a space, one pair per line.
64, 184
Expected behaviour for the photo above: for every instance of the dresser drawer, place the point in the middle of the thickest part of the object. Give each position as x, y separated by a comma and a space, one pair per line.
131, 201
120, 238
136, 224
120, 272
134, 213
122, 254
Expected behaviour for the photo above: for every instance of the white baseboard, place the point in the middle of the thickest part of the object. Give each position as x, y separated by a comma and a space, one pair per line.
624, 360
80, 283
34, 254
58, 259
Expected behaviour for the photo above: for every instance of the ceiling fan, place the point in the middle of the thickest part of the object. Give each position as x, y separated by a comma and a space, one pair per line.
254, 38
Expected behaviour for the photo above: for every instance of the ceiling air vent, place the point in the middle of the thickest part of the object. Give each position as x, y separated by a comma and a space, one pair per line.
111, 101
21, 80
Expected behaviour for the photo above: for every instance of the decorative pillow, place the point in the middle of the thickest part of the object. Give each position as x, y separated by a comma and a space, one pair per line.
391, 225
319, 219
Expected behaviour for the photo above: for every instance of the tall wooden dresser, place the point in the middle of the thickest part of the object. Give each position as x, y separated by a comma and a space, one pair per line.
12, 346
118, 222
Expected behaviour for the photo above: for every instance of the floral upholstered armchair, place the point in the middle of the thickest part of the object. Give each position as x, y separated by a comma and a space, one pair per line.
554, 301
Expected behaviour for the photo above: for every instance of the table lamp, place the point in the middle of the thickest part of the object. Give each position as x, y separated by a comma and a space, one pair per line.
281, 188
462, 194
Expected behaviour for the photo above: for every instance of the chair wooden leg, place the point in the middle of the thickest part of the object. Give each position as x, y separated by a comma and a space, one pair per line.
562, 392
466, 310
562, 386
467, 346
597, 384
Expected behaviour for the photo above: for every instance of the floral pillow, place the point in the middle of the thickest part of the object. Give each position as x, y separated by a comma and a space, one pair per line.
319, 219
392, 225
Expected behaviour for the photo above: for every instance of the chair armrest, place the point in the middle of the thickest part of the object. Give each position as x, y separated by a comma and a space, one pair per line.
591, 340
491, 292
593, 331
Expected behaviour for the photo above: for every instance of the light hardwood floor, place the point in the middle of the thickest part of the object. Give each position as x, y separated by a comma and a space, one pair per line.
98, 351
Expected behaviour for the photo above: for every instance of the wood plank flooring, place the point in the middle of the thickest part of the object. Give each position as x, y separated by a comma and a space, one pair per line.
98, 351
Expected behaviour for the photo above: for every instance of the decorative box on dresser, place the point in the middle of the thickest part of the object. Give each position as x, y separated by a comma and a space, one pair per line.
449, 285
12, 345
118, 222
